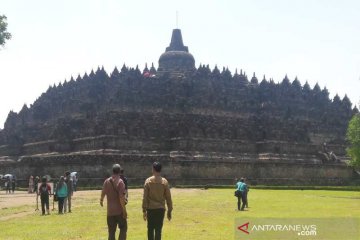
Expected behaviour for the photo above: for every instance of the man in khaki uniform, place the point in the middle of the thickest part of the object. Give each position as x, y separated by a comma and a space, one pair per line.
156, 192
114, 190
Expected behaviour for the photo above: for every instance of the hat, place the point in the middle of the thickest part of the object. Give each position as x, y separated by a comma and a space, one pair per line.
116, 168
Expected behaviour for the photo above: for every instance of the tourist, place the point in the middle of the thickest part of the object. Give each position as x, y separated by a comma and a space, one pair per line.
156, 192
61, 193
36, 187
7, 184
69, 183
114, 190
75, 181
44, 192
247, 194
242, 187
36, 190
238, 193
13, 184
125, 180
31, 185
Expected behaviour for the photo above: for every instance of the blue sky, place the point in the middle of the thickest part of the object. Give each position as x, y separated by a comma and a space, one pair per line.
317, 41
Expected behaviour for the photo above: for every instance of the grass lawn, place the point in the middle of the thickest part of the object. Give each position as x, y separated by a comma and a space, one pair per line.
198, 214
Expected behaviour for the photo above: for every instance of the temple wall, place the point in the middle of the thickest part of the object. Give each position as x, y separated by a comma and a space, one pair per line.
180, 144
180, 170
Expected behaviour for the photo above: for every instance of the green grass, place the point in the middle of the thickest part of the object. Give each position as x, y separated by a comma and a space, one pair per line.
14, 210
292, 187
198, 214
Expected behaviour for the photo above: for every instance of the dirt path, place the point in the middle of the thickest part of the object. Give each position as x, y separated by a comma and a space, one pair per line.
23, 198
16, 199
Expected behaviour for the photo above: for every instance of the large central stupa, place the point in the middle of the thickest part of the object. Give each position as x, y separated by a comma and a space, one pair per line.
207, 126
177, 56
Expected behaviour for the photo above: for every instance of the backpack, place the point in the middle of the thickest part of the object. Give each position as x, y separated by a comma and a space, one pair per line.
44, 190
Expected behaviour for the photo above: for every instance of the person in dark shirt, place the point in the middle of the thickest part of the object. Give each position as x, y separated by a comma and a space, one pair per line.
244, 190
7, 184
44, 192
238, 193
13, 184
125, 180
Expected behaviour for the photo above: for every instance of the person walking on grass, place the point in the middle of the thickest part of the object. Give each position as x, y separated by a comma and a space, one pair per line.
114, 190
36, 190
44, 192
242, 187
247, 193
69, 183
75, 180
8, 185
238, 193
156, 192
13, 184
36, 187
61, 193
31, 185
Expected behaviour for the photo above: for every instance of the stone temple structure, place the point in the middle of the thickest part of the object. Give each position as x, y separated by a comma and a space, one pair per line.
207, 126
176, 58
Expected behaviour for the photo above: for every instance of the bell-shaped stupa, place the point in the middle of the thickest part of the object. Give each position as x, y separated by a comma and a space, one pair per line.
176, 57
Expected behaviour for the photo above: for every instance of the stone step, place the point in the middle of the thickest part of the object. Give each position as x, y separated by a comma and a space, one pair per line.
264, 157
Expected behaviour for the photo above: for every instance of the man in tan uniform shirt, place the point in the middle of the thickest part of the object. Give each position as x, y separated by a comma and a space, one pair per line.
156, 192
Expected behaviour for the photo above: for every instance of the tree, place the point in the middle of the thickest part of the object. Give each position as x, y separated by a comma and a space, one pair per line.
4, 35
353, 135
